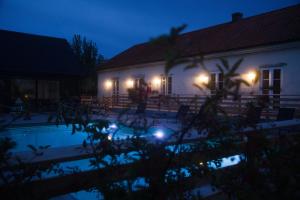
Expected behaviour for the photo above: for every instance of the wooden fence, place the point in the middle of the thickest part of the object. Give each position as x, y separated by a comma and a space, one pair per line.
172, 103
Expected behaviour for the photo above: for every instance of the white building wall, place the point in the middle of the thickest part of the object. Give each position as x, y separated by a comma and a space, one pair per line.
183, 79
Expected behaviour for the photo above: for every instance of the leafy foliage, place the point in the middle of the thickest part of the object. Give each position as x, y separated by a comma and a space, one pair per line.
87, 53
173, 56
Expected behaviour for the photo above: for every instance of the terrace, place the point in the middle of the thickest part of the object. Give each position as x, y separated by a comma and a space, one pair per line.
170, 104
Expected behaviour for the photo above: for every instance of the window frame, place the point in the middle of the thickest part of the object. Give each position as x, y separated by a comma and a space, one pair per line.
166, 87
271, 80
217, 83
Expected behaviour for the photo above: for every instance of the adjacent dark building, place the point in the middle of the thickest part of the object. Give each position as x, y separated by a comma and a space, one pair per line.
39, 68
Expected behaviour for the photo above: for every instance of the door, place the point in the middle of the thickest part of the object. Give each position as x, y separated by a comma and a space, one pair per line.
138, 83
271, 85
163, 85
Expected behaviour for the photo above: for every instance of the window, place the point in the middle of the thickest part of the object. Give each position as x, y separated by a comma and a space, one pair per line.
265, 81
216, 82
166, 85
170, 85
271, 81
220, 81
115, 90
271, 85
213, 83
277, 81
116, 86
138, 82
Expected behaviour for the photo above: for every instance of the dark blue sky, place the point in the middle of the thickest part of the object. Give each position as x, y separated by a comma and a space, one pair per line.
116, 25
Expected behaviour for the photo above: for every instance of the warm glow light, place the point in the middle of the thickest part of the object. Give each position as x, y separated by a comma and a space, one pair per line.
156, 82
251, 76
202, 79
108, 84
129, 83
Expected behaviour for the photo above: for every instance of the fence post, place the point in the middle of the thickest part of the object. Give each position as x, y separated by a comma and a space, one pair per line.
196, 104
240, 105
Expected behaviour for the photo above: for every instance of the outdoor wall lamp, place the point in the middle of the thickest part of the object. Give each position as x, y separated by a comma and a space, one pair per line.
108, 84
156, 82
129, 83
202, 79
251, 76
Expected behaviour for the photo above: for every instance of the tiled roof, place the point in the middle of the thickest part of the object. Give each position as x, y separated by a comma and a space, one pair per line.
274, 27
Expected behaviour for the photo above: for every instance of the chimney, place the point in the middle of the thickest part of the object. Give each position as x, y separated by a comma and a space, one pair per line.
236, 16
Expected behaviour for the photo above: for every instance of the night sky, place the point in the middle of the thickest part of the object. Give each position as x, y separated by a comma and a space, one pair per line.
116, 25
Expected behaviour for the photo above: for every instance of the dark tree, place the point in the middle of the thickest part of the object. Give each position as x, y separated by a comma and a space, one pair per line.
87, 53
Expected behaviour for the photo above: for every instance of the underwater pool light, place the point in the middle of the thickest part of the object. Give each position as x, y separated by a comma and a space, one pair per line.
159, 134
113, 126
109, 137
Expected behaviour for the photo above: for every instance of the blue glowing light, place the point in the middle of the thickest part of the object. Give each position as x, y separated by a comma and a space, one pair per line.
159, 134
113, 126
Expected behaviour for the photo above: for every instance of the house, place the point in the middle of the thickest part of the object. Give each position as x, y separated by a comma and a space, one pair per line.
36, 67
269, 44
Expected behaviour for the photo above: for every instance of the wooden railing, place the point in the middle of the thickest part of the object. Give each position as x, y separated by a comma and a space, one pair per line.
172, 103
88, 99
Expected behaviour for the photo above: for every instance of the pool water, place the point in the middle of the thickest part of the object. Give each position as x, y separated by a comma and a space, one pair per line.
60, 136
56, 136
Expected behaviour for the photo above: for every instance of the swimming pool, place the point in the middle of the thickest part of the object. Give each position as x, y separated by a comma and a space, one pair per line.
61, 135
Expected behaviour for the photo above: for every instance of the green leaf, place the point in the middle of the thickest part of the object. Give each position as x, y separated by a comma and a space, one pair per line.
198, 86
236, 65
225, 63
220, 68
